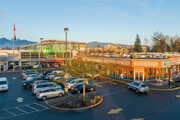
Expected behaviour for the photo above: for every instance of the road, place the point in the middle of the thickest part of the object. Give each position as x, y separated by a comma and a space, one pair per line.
156, 105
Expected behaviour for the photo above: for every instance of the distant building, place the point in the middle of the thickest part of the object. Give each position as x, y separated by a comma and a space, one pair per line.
30, 55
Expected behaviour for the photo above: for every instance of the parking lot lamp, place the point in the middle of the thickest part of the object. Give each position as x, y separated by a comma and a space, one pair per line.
41, 53
66, 30
169, 77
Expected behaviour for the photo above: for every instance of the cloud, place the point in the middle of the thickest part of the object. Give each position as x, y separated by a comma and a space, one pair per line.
2, 12
140, 3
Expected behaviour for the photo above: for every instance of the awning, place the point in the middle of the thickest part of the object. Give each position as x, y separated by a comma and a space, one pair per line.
50, 61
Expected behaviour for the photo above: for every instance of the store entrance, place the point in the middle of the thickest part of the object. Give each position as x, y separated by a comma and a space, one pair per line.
138, 76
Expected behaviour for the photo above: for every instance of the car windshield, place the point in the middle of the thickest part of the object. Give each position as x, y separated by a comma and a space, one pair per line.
3, 82
72, 82
144, 85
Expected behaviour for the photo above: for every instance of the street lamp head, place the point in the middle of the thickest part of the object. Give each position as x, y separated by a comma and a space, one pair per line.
66, 29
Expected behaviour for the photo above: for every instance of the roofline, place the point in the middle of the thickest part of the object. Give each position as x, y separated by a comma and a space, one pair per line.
45, 42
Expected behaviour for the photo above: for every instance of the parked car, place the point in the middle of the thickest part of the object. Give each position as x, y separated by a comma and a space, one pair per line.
138, 87
58, 78
3, 84
76, 81
46, 93
47, 72
40, 78
37, 66
24, 74
37, 87
31, 76
78, 88
63, 83
28, 84
39, 82
57, 72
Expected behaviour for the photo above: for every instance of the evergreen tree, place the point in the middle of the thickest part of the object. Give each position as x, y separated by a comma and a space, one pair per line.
137, 44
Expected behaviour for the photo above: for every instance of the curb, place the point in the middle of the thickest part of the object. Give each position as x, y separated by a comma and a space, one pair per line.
150, 88
76, 109
25, 70
165, 89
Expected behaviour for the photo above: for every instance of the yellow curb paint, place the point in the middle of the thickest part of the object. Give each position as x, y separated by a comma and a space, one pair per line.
177, 96
138, 119
165, 89
98, 85
113, 111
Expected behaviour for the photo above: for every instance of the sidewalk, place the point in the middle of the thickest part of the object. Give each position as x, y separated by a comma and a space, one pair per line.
153, 85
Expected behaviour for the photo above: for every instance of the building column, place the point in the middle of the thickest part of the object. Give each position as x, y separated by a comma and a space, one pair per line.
127, 73
29, 58
20, 59
147, 71
159, 74
156, 73
134, 74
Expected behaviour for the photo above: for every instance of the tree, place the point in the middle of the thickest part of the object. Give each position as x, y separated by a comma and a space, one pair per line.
86, 70
137, 44
146, 41
160, 42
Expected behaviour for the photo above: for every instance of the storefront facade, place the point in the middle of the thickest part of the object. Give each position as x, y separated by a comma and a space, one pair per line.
135, 69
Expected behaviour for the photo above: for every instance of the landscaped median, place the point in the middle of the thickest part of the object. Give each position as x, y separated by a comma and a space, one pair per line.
76, 102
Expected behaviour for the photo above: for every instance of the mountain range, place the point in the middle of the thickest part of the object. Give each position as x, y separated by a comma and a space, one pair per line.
6, 43
101, 44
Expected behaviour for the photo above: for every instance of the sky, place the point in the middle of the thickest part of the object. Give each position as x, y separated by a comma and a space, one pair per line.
115, 21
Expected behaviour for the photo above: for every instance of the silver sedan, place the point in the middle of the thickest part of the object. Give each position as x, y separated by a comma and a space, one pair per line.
138, 87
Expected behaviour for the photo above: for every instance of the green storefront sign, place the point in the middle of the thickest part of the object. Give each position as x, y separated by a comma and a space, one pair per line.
47, 51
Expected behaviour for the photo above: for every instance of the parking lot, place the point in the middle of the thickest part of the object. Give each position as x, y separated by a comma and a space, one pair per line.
154, 105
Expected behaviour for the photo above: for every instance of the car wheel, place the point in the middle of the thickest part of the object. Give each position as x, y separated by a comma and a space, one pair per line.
44, 98
92, 89
60, 95
137, 90
128, 87
78, 92
28, 86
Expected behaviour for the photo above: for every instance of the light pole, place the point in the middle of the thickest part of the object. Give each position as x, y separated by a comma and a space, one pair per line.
41, 53
66, 30
169, 77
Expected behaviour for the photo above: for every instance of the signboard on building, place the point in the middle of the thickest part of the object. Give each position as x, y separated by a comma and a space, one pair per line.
175, 61
146, 63
165, 64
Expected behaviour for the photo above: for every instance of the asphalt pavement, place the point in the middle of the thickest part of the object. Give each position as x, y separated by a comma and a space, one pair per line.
119, 103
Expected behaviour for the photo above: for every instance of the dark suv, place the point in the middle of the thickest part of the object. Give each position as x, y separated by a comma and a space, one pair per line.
78, 88
28, 84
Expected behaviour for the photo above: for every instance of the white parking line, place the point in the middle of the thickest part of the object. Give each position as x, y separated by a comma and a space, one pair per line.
9, 112
41, 105
32, 108
20, 109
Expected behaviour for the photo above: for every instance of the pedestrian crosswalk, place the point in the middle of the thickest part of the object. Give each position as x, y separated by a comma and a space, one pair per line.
22, 110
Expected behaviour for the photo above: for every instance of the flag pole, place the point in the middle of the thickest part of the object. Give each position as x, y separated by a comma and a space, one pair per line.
13, 54
13, 44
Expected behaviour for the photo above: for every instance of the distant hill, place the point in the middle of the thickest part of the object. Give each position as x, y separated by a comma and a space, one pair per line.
6, 43
101, 44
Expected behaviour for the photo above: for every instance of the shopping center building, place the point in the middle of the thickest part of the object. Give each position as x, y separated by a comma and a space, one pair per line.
32, 55
139, 69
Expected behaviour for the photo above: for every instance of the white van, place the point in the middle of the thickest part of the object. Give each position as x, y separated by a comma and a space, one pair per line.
3, 84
